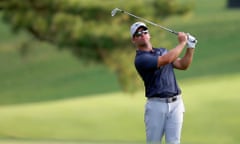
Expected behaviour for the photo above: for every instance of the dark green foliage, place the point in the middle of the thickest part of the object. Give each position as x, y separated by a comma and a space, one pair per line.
165, 8
87, 28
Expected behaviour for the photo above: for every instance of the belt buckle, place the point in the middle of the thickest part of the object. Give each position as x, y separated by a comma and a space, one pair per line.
170, 100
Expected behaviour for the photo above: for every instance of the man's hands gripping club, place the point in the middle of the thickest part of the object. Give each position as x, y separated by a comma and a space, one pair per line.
191, 41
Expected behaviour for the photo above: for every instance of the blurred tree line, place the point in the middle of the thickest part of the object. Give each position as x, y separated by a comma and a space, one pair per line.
87, 28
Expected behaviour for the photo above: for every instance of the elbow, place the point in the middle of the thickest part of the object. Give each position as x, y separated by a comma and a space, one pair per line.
183, 64
185, 67
186, 64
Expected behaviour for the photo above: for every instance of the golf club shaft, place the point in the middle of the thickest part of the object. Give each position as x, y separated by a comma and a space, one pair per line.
147, 21
114, 11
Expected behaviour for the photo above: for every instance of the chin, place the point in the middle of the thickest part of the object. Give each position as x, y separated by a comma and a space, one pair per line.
143, 44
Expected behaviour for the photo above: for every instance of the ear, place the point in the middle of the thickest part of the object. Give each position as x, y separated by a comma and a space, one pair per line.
133, 40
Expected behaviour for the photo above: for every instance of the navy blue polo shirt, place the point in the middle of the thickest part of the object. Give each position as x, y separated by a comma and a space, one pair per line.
158, 82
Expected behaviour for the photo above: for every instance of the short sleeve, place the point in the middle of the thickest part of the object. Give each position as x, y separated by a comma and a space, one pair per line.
146, 61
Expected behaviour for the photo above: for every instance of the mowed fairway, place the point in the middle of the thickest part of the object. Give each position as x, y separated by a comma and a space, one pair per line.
50, 97
211, 117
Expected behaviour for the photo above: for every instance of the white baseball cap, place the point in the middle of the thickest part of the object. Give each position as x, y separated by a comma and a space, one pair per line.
135, 26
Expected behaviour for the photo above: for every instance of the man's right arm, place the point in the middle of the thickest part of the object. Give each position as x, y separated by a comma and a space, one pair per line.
173, 54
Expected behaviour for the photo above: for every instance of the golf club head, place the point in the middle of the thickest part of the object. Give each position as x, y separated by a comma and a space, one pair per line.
114, 11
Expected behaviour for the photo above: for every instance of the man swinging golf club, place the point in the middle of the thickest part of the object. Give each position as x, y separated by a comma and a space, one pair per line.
164, 107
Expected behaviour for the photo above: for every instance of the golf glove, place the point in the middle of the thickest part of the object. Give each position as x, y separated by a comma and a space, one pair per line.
191, 42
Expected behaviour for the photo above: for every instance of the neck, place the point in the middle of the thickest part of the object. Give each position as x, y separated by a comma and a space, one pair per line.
145, 47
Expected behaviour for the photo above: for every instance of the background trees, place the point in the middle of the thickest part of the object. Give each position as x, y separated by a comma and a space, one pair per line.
87, 29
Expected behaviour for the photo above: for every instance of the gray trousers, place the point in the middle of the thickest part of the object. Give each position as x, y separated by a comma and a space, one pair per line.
162, 118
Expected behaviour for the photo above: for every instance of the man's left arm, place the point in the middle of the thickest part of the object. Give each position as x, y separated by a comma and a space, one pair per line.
184, 63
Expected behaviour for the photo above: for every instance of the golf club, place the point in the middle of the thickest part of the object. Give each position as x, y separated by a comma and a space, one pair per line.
114, 12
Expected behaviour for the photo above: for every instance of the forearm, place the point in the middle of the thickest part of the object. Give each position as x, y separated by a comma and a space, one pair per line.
174, 53
187, 59
184, 63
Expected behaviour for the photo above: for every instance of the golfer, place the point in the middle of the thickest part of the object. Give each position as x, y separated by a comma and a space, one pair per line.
164, 107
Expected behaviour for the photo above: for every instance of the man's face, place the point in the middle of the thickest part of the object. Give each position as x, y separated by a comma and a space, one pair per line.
141, 37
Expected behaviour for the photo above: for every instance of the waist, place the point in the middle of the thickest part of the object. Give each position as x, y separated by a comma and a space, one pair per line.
167, 99
165, 95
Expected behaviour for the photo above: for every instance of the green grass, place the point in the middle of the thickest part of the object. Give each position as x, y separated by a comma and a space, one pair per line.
47, 74
211, 109
216, 29
97, 118
43, 94
211, 116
